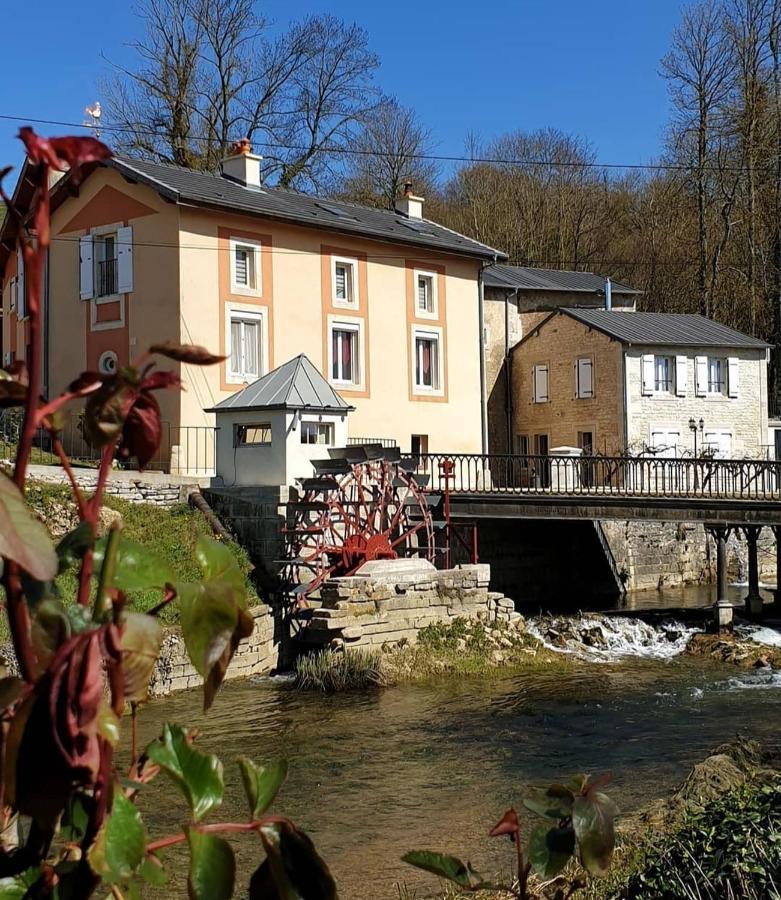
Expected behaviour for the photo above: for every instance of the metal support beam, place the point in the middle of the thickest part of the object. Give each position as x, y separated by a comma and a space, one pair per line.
754, 598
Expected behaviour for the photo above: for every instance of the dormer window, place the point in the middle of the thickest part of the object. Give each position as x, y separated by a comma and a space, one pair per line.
245, 266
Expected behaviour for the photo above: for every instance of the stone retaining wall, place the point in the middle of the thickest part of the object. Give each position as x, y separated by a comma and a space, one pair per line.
255, 656
136, 487
390, 601
656, 555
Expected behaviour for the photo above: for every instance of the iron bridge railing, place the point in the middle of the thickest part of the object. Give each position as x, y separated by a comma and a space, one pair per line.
607, 476
184, 449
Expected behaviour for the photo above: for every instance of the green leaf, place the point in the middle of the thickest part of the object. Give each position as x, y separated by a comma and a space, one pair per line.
50, 629
17, 887
137, 568
75, 818
550, 849
261, 783
449, 867
212, 867
593, 820
74, 545
141, 640
197, 775
293, 869
119, 848
23, 538
213, 614
152, 871
554, 803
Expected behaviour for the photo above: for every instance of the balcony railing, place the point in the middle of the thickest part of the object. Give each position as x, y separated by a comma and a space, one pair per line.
621, 476
183, 450
107, 277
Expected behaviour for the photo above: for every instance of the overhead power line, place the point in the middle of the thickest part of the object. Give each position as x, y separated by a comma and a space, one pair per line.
434, 157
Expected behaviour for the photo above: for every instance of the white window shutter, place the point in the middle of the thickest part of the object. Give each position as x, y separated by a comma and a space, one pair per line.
585, 385
540, 384
701, 375
680, 376
648, 374
21, 305
124, 260
86, 271
733, 378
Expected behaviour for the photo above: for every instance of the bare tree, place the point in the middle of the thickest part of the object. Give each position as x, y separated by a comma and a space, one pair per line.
389, 149
212, 71
699, 70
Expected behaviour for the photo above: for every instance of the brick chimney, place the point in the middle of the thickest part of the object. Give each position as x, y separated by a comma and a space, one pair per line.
242, 165
408, 204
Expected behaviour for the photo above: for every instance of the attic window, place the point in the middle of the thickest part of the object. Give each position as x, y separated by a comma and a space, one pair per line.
335, 211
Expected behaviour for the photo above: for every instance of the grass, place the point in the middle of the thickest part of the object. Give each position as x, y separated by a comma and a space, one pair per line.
331, 671
171, 532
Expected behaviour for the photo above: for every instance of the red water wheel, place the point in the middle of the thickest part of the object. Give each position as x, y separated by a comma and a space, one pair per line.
363, 505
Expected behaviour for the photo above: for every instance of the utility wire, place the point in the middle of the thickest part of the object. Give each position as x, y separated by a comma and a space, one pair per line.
352, 151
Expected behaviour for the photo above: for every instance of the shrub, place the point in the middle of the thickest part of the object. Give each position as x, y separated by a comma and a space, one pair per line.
732, 848
331, 671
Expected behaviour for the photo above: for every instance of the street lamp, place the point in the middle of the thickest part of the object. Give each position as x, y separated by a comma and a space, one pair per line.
694, 427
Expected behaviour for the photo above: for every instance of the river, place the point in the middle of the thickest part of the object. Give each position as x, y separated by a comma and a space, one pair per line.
434, 765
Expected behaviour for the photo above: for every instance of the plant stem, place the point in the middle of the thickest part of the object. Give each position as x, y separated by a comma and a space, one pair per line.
92, 510
217, 828
102, 594
68, 469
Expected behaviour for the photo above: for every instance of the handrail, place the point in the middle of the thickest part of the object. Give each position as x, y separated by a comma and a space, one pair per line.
621, 476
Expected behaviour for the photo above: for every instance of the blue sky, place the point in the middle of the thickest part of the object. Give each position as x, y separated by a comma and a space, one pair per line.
588, 67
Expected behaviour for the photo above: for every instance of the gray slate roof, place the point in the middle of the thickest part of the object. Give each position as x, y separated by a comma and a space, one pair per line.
663, 329
215, 191
295, 384
527, 278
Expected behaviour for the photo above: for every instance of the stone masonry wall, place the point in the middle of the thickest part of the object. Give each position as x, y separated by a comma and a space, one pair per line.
665, 554
136, 487
393, 600
254, 656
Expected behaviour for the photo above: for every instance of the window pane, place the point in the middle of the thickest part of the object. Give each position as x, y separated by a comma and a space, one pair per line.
251, 344
242, 266
426, 362
235, 360
341, 282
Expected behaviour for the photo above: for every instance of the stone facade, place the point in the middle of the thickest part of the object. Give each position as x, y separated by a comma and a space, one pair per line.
391, 601
657, 555
256, 655
563, 416
526, 309
743, 417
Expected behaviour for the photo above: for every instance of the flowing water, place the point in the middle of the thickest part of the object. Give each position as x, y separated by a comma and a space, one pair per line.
434, 765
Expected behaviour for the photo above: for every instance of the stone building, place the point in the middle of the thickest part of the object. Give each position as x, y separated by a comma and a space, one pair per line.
608, 381
517, 298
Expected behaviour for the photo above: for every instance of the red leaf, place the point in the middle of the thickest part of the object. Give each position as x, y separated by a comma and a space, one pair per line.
160, 380
187, 353
64, 152
142, 430
85, 381
597, 783
508, 824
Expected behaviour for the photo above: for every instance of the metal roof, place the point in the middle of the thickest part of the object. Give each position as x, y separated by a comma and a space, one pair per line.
530, 279
663, 329
295, 384
206, 189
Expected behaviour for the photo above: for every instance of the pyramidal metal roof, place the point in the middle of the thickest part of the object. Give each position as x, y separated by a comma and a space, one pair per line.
296, 384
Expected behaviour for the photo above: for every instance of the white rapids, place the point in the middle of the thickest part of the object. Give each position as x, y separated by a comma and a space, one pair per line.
607, 638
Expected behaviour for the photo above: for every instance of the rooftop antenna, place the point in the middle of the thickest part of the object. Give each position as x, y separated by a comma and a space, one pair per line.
93, 121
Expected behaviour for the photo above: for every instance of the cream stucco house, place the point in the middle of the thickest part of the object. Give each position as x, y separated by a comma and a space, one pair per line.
386, 304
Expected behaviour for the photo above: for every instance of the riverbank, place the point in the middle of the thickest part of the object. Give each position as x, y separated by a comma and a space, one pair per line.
717, 835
